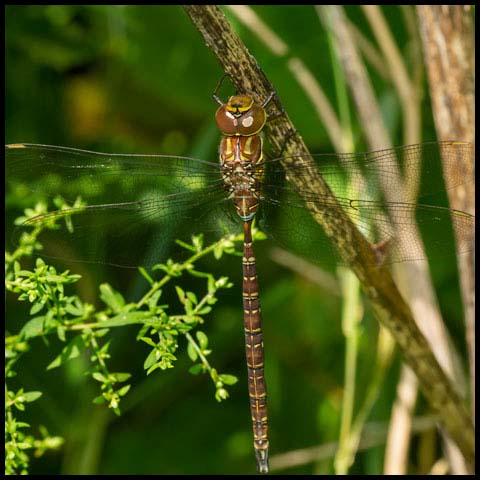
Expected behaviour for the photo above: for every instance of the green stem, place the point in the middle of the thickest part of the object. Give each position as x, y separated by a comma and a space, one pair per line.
199, 353
351, 317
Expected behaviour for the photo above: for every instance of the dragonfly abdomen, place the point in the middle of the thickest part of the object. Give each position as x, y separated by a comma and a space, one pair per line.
254, 351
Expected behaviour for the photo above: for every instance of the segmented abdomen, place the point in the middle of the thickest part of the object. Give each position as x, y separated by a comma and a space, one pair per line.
241, 159
254, 349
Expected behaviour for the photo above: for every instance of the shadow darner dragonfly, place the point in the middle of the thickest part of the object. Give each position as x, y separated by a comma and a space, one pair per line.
133, 202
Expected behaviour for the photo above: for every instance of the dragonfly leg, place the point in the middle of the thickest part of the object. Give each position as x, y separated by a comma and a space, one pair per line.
217, 88
280, 111
273, 94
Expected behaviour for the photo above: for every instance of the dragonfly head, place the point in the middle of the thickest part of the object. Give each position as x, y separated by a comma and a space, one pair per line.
240, 116
239, 104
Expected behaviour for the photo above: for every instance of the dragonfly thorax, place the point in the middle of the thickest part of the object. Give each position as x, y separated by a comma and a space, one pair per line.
242, 171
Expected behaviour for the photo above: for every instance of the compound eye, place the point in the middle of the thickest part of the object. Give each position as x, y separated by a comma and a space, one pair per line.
253, 121
226, 121
240, 116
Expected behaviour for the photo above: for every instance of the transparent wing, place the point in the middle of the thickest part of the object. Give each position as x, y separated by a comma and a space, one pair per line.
382, 167
358, 181
132, 207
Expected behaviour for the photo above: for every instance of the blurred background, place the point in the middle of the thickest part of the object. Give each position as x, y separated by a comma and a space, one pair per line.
139, 79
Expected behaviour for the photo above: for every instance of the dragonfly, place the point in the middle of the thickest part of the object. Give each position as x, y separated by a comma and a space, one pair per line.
135, 204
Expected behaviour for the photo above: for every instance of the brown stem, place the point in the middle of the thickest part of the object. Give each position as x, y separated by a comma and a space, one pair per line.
447, 35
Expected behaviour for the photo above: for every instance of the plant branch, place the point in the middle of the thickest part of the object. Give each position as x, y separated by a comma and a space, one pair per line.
448, 42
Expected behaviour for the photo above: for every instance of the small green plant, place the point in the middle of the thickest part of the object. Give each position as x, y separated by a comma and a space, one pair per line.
84, 329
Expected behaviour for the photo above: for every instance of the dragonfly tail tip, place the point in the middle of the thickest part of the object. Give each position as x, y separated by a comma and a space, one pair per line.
262, 460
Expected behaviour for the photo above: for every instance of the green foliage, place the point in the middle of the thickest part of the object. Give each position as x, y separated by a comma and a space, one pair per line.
54, 312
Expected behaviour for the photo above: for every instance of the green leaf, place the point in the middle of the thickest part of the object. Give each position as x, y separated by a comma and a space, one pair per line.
72, 278
218, 252
61, 333
202, 339
100, 332
151, 359
188, 307
153, 300
99, 400
192, 297
143, 330
185, 245
121, 377
10, 353
75, 310
33, 328
22, 424
192, 353
153, 368
180, 293
31, 396
39, 263
228, 379
148, 341
71, 350
36, 307
54, 278
145, 274
99, 377
111, 298
203, 311
123, 391
197, 369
